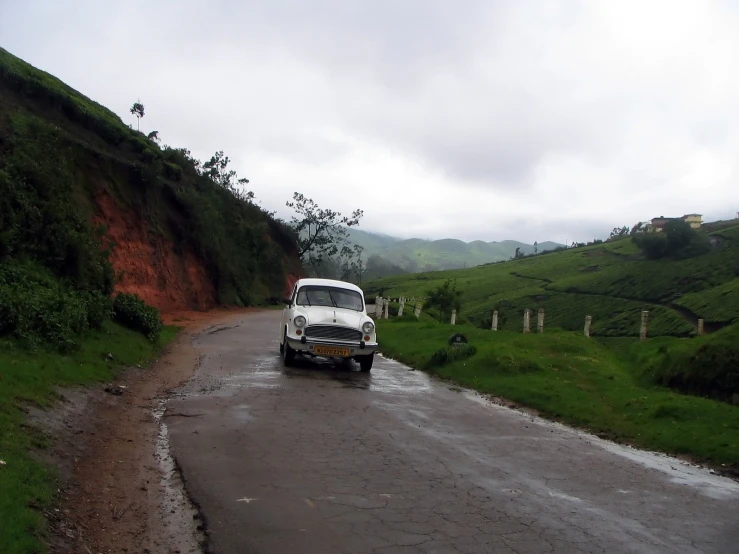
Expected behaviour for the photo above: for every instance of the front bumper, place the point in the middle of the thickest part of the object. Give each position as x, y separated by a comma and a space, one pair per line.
308, 345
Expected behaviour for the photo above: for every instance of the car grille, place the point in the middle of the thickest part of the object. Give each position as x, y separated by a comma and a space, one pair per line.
332, 332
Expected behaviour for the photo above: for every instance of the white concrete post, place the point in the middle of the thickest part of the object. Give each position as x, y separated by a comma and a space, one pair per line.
454, 317
494, 326
400, 309
378, 306
527, 321
643, 330
700, 327
540, 321
418, 310
387, 309
588, 321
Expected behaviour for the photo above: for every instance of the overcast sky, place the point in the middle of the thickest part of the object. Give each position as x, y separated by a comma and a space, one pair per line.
470, 119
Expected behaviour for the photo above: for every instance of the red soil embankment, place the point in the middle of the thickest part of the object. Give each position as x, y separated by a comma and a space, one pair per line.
147, 264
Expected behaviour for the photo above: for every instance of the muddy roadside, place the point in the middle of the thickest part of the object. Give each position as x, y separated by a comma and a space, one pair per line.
120, 491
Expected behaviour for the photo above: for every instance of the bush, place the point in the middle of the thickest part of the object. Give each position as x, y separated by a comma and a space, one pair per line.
652, 245
37, 309
707, 366
99, 309
129, 310
452, 354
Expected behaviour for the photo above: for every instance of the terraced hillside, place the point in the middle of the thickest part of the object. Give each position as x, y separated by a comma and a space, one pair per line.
612, 282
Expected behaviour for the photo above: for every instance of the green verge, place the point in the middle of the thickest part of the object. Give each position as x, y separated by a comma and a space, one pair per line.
576, 380
30, 378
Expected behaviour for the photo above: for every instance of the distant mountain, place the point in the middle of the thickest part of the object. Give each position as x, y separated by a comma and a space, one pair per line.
413, 255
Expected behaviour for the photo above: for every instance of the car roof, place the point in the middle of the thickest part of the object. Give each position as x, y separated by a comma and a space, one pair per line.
329, 283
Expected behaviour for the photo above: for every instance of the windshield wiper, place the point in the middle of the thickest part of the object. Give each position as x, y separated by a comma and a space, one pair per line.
333, 302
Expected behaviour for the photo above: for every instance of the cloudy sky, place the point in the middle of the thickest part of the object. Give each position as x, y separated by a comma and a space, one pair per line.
472, 119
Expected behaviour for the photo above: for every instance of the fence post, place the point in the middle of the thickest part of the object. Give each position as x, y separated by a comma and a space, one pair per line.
700, 327
454, 317
588, 321
643, 330
494, 326
418, 310
400, 309
540, 321
527, 321
387, 308
378, 306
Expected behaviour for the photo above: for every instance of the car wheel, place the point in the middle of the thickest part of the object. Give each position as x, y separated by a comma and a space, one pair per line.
365, 362
288, 354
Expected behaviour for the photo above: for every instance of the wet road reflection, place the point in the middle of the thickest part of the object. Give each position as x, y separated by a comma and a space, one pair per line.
321, 457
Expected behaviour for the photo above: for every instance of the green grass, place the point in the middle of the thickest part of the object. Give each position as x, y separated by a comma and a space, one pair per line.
579, 381
717, 304
30, 378
612, 282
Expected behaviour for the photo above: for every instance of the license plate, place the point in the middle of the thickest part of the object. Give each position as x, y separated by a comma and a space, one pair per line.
330, 351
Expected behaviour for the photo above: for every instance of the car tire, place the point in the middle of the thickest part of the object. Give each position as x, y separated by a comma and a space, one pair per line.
282, 348
365, 362
288, 354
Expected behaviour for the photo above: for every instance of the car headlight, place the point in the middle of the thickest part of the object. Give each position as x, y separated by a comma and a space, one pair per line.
368, 327
299, 321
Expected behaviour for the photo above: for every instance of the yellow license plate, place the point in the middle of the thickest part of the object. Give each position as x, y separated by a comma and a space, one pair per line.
330, 351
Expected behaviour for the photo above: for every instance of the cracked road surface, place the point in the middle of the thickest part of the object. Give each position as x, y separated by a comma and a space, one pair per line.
322, 458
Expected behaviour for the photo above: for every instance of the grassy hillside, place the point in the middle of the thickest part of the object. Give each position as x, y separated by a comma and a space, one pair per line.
412, 255
613, 282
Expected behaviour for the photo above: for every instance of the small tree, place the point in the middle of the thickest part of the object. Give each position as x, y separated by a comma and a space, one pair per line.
444, 298
536, 247
678, 234
619, 232
153, 136
320, 232
358, 263
137, 109
217, 170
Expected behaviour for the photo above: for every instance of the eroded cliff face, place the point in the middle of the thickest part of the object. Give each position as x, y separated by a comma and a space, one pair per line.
148, 265
177, 238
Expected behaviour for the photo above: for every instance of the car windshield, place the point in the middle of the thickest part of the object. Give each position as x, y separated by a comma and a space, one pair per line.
317, 295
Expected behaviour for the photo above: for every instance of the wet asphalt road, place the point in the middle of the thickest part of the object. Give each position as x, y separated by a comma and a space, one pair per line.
322, 458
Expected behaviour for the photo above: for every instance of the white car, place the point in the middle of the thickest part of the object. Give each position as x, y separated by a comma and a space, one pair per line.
327, 318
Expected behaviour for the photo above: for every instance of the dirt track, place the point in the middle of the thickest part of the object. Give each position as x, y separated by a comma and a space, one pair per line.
322, 458
120, 487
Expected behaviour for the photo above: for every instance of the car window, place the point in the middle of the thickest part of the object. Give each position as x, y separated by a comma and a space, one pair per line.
317, 295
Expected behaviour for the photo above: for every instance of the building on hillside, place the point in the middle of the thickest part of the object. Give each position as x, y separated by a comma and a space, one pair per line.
695, 220
657, 225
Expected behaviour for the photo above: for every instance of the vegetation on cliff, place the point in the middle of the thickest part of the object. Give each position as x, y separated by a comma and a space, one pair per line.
60, 154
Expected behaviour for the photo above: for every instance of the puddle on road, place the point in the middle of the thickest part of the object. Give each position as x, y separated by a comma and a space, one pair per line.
268, 372
179, 516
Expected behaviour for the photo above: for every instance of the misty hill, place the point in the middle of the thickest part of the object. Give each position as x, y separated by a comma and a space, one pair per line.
414, 255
